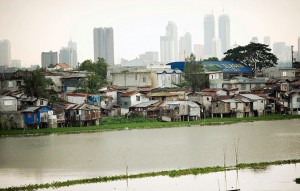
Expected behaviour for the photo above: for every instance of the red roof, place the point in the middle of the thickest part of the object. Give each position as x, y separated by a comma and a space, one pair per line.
63, 65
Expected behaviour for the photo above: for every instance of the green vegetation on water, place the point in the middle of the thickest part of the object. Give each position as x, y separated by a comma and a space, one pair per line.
171, 173
141, 123
297, 180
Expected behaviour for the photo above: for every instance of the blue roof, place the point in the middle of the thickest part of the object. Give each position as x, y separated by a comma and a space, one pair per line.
228, 67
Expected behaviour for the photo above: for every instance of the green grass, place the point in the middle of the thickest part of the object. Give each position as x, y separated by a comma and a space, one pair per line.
140, 123
170, 173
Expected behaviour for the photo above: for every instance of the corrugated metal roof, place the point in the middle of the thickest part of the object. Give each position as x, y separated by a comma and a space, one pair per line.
31, 109
146, 104
7, 98
190, 103
252, 96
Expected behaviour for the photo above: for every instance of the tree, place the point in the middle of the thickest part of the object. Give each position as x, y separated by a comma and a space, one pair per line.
100, 70
211, 59
90, 85
35, 85
194, 74
255, 55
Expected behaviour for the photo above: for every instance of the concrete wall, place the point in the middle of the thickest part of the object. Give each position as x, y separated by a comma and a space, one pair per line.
8, 103
15, 116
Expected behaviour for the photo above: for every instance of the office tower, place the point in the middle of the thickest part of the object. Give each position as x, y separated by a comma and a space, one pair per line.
49, 59
169, 44
267, 40
283, 52
209, 34
16, 63
150, 56
104, 44
298, 48
5, 54
224, 32
216, 48
185, 46
198, 51
254, 39
68, 55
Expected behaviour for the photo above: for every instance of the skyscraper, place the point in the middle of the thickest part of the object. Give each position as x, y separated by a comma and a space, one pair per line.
267, 40
209, 34
49, 58
104, 45
216, 48
150, 56
5, 55
185, 46
198, 51
224, 32
169, 44
68, 55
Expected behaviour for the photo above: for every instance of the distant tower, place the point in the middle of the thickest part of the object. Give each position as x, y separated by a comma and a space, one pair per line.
49, 58
209, 34
267, 40
224, 32
216, 48
169, 44
104, 44
198, 51
68, 55
5, 54
185, 46
254, 39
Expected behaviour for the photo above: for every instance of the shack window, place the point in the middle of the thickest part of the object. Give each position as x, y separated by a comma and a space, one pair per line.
125, 103
138, 98
8, 103
29, 115
298, 99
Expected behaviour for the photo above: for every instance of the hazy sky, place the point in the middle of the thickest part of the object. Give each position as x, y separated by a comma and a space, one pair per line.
34, 26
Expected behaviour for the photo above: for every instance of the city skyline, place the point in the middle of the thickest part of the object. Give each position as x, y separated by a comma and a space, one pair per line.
138, 25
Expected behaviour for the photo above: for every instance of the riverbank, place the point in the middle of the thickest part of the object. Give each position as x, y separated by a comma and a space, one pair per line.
170, 173
141, 124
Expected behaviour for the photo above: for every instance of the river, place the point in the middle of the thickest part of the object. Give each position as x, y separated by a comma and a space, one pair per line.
41, 159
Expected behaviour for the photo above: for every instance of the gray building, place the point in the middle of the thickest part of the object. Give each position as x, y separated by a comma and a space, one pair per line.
5, 55
150, 56
280, 73
169, 44
68, 55
224, 32
104, 45
209, 34
49, 58
185, 46
15, 63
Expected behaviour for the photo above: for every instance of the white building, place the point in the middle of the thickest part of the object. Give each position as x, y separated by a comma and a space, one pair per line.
169, 44
68, 55
267, 40
104, 45
254, 39
224, 32
216, 48
209, 34
185, 46
5, 53
49, 58
198, 51
16, 63
150, 56
283, 52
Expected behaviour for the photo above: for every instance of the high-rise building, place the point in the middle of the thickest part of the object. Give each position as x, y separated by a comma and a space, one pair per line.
267, 40
49, 59
224, 32
283, 52
104, 45
185, 46
68, 55
254, 39
298, 48
198, 51
16, 63
209, 34
150, 56
169, 44
5, 54
216, 48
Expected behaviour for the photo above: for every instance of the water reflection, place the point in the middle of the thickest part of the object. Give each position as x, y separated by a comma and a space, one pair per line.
274, 178
43, 159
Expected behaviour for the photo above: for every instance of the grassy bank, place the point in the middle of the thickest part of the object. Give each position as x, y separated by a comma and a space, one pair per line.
171, 173
121, 124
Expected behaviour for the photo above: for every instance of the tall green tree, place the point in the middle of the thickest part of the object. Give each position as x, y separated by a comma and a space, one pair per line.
255, 55
194, 74
35, 85
90, 85
99, 67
